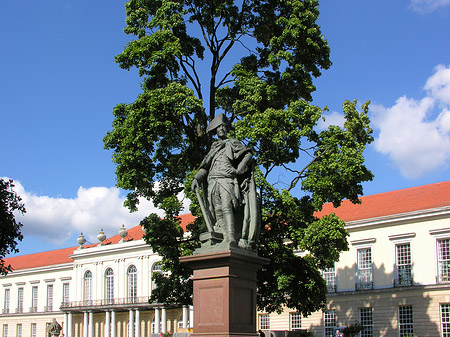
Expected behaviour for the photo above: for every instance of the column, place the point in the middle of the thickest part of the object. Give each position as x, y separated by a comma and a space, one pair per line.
185, 316
191, 317
113, 323
91, 324
137, 332
85, 324
107, 324
157, 320
65, 324
69, 326
163, 320
131, 323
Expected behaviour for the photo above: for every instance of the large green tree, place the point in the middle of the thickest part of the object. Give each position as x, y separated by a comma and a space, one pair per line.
9, 228
255, 61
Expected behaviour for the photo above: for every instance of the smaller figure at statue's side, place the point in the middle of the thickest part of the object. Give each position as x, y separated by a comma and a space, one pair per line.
54, 328
230, 205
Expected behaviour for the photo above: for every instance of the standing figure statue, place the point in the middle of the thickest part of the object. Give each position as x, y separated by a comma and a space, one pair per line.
54, 328
229, 204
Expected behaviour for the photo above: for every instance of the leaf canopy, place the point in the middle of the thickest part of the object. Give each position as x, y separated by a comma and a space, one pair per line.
255, 61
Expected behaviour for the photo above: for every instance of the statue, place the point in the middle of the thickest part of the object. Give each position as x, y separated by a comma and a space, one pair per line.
229, 204
54, 329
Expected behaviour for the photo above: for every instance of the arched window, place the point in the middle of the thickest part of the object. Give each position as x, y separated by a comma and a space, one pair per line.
109, 286
132, 283
156, 268
87, 280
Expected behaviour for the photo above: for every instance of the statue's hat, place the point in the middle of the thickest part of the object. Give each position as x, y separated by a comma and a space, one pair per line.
218, 120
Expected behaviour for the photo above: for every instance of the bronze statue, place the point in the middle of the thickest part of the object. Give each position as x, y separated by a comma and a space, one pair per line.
54, 328
230, 204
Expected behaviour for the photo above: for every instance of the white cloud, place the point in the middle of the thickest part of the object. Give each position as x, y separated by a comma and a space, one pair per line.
438, 85
55, 220
417, 142
334, 118
425, 6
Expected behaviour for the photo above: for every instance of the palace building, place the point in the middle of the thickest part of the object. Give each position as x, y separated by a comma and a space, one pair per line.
394, 280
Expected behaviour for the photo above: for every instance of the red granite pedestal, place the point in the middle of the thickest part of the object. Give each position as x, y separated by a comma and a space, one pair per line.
225, 293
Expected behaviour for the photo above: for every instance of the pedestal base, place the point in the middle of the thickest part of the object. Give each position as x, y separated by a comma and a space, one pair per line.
225, 293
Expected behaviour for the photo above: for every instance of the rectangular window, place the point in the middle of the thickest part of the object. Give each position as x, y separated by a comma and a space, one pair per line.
65, 293
405, 320
404, 264
365, 318
5, 330
443, 260
19, 300
6, 301
364, 272
19, 330
33, 329
49, 297
295, 319
329, 318
34, 299
445, 319
264, 322
330, 278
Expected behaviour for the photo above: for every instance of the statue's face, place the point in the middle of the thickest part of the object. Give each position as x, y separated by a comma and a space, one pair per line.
222, 131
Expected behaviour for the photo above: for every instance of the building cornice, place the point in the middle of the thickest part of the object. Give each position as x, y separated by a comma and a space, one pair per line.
120, 247
51, 268
395, 219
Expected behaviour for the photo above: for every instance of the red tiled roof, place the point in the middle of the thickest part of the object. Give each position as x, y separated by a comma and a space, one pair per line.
396, 202
61, 256
36, 260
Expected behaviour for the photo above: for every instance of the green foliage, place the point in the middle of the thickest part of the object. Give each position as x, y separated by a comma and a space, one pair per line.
159, 140
352, 330
9, 228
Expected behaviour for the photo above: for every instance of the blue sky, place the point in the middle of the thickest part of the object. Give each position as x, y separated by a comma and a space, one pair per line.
59, 84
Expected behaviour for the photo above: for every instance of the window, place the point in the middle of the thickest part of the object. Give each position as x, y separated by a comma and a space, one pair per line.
264, 322
364, 272
34, 298
6, 301
87, 287
19, 330
445, 319
33, 329
405, 320
404, 266
132, 283
365, 318
443, 260
49, 297
19, 300
180, 322
154, 325
65, 295
295, 319
5, 330
330, 278
109, 286
156, 268
329, 318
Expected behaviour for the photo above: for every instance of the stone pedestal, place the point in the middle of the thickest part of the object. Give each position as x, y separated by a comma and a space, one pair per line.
225, 293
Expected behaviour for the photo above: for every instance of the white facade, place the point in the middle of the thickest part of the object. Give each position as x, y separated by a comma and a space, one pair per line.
100, 293
395, 277
394, 280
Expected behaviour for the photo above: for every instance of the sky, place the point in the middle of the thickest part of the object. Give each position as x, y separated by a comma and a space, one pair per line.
59, 84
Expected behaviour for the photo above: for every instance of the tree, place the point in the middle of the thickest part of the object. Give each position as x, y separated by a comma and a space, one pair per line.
9, 228
158, 141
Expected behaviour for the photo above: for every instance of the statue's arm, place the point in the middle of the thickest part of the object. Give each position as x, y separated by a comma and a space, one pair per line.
199, 177
245, 164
